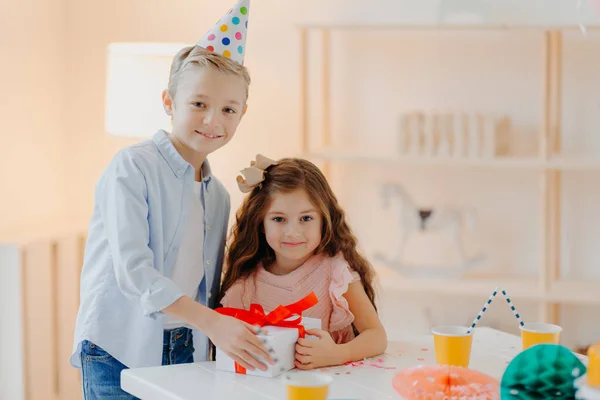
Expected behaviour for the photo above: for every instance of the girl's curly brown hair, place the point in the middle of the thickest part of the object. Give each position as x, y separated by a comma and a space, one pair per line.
248, 245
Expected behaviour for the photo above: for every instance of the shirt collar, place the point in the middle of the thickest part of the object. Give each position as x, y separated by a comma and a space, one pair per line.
177, 163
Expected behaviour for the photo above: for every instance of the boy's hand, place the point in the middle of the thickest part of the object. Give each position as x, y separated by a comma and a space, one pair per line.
239, 341
323, 352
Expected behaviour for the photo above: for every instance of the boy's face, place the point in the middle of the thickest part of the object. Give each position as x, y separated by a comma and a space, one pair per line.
207, 108
292, 227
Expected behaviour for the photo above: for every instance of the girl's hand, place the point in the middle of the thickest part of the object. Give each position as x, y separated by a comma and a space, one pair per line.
312, 353
239, 341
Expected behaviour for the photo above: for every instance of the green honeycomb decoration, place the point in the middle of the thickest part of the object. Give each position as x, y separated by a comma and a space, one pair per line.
544, 371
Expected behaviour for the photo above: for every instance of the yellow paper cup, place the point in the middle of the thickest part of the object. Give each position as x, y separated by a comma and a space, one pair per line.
593, 371
452, 345
307, 385
538, 332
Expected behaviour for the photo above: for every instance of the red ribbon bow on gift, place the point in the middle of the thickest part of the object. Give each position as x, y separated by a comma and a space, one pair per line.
278, 317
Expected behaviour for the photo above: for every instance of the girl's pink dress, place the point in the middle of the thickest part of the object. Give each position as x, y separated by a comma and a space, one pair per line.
327, 277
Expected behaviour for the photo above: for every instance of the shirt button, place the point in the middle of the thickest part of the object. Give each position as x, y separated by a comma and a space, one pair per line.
207, 262
208, 227
209, 295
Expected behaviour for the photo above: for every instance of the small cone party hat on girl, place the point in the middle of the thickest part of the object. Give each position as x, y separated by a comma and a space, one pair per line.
228, 36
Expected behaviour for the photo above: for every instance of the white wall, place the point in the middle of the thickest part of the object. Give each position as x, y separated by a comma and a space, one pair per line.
33, 137
11, 330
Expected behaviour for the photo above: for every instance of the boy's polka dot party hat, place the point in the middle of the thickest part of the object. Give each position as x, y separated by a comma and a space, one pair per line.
228, 36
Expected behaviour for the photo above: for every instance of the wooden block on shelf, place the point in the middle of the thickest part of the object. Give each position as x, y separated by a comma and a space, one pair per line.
459, 135
473, 136
410, 138
429, 134
425, 135
495, 136
445, 140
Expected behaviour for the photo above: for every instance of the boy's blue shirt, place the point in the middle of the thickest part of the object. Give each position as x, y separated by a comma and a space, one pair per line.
141, 207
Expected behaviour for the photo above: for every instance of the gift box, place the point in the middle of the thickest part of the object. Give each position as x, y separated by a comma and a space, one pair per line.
284, 326
281, 340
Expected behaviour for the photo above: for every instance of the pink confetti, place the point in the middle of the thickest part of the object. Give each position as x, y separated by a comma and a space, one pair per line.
420, 359
354, 364
424, 349
347, 372
380, 360
362, 363
381, 366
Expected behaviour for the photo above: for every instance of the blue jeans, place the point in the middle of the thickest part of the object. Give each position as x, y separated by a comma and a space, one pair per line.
101, 372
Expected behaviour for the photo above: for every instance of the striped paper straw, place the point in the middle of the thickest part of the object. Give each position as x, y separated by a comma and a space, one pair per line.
512, 307
483, 310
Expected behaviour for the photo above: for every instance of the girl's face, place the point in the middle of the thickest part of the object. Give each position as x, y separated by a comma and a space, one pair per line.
292, 228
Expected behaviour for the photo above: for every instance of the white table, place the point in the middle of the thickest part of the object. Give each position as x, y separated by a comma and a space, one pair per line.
492, 351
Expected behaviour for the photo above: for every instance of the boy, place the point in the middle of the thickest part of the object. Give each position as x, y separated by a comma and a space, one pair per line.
156, 239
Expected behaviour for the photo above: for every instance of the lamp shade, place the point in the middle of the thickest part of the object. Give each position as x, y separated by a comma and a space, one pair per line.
137, 73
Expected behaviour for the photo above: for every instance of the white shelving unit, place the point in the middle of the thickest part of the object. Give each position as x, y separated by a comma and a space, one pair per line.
547, 289
530, 163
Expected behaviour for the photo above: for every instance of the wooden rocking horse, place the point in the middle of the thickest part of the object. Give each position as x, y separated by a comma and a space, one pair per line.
449, 221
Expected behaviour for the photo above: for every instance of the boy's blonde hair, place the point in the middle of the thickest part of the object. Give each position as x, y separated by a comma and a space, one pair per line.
199, 56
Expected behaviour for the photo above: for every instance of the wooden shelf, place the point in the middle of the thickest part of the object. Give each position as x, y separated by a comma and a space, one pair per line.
467, 286
547, 160
443, 26
575, 292
533, 163
563, 291
573, 164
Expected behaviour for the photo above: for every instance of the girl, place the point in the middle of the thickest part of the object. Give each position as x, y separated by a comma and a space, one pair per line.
291, 238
